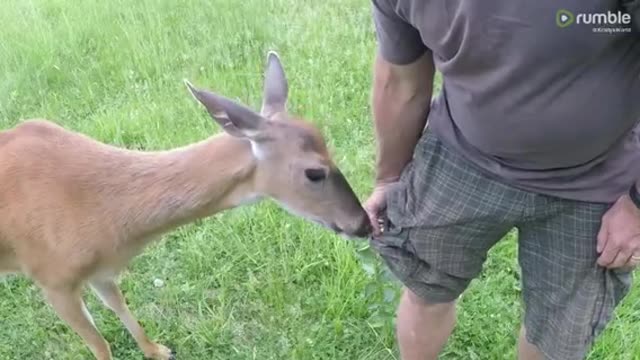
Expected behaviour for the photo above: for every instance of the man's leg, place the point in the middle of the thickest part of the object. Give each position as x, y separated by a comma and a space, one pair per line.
423, 328
568, 298
526, 350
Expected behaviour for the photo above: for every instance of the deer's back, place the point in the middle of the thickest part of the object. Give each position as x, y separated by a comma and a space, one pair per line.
42, 161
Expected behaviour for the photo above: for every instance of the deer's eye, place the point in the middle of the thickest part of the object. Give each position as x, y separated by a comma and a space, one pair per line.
315, 175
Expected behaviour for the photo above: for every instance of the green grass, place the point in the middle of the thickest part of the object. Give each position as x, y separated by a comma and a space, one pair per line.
255, 282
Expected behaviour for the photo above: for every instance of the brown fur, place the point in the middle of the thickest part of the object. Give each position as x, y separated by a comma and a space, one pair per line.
126, 196
75, 211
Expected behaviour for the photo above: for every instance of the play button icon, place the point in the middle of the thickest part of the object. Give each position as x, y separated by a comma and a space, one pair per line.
564, 18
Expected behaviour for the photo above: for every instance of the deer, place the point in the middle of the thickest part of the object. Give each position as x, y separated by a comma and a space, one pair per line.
74, 211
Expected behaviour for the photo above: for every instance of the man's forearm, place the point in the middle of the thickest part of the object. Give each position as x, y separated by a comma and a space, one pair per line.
400, 99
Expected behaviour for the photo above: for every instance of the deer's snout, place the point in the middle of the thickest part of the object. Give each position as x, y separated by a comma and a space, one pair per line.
365, 229
362, 228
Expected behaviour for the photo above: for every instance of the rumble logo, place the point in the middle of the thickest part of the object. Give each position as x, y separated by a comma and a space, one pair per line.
602, 22
564, 18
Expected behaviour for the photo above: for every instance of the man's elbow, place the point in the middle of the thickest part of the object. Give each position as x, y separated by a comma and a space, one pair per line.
411, 82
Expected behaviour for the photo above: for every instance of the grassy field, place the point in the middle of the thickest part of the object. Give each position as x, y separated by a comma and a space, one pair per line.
255, 282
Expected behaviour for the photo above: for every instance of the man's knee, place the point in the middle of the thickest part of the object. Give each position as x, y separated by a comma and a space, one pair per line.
413, 300
423, 327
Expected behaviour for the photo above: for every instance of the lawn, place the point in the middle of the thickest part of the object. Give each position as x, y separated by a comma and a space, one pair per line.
254, 282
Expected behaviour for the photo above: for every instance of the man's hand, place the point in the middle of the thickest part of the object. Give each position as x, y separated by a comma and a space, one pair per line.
376, 205
619, 236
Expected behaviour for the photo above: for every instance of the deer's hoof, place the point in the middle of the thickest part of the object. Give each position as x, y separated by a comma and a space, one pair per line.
161, 352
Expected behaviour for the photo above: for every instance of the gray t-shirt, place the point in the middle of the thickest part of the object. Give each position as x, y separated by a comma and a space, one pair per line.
536, 93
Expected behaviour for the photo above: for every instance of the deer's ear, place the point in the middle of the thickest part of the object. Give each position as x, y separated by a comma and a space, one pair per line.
235, 118
276, 87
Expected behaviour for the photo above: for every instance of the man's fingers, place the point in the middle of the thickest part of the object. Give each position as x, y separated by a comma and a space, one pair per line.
374, 223
373, 213
608, 254
620, 260
603, 236
375, 207
631, 264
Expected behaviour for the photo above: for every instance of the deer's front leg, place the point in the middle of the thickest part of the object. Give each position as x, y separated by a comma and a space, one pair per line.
112, 297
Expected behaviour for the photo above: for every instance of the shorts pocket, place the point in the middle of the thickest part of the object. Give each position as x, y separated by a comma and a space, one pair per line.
405, 201
394, 246
615, 286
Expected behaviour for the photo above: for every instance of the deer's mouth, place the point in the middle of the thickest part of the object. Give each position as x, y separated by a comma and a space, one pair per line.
335, 228
329, 225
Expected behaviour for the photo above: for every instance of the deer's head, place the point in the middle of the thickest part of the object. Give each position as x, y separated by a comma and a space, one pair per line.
293, 165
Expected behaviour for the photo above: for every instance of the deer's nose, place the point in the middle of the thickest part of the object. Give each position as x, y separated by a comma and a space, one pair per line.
365, 229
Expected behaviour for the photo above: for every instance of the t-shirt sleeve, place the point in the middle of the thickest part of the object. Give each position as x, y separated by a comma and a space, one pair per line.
398, 41
633, 8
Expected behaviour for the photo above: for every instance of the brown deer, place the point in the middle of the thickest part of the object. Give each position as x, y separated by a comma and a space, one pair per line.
75, 211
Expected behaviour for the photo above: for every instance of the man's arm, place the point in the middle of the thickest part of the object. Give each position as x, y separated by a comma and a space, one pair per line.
401, 98
402, 87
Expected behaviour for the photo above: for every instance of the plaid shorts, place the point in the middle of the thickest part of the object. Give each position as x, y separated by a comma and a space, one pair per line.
444, 217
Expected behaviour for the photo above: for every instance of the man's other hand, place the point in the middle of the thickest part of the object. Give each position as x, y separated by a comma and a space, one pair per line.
619, 236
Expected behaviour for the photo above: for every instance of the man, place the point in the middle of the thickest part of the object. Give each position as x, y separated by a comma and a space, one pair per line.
534, 129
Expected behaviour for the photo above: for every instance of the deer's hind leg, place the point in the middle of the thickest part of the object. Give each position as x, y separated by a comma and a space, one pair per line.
108, 291
70, 307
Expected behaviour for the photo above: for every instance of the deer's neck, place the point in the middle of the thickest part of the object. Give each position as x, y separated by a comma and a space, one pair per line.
169, 189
